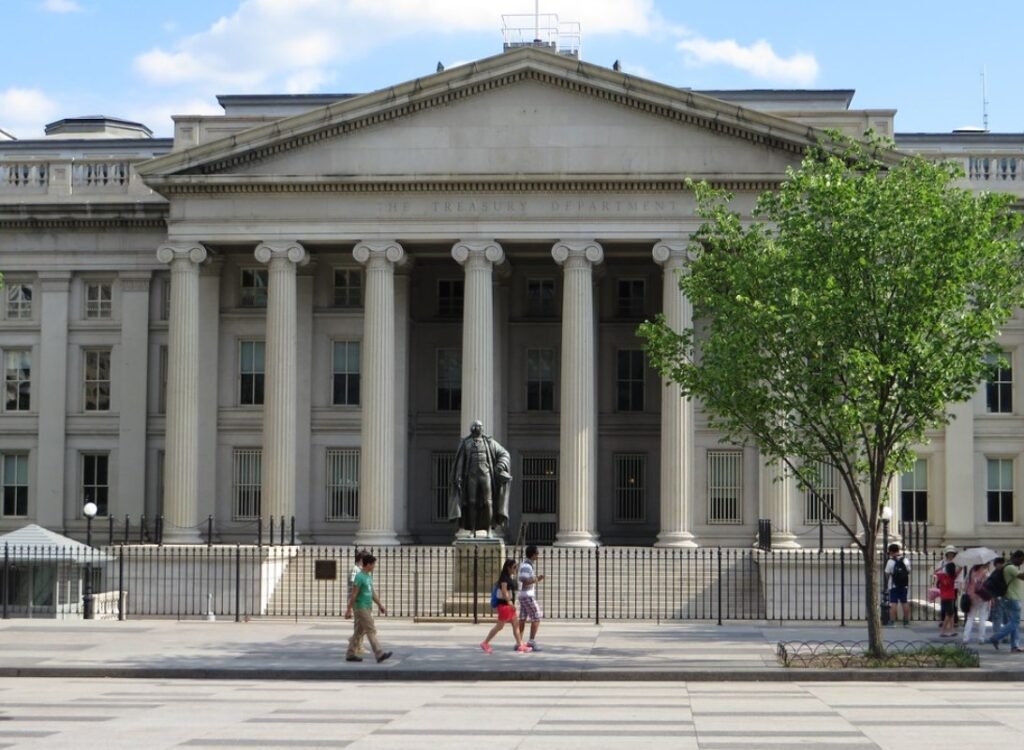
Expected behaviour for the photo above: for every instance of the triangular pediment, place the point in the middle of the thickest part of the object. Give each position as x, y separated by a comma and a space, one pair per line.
526, 113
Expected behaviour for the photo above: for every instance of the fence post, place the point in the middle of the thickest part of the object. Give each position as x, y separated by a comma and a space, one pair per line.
238, 583
293, 531
719, 556
120, 584
160, 530
259, 532
597, 584
842, 587
924, 547
476, 587
270, 532
7, 578
209, 530
110, 531
282, 531
821, 536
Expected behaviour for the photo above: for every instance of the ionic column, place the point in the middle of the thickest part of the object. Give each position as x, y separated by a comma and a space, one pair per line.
181, 447
280, 401
377, 456
778, 493
577, 480
479, 259
676, 411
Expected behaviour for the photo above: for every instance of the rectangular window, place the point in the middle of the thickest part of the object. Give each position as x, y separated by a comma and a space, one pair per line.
346, 373
250, 372
440, 477
540, 379
999, 390
342, 484
19, 302
17, 380
725, 487
449, 379
630, 298
96, 481
540, 298
1000, 490
14, 469
450, 297
247, 483
99, 300
914, 493
630, 487
820, 503
161, 392
97, 379
630, 382
253, 291
348, 287
540, 484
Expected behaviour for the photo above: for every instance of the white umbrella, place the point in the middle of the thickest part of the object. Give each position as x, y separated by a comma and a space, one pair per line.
968, 558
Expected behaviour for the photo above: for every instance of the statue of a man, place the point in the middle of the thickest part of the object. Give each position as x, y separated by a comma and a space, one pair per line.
480, 482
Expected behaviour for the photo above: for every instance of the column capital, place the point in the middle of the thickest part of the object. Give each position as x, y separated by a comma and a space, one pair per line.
375, 252
489, 251
567, 251
186, 251
673, 253
288, 250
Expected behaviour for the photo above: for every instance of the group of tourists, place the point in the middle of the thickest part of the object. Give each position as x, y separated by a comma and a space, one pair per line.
988, 591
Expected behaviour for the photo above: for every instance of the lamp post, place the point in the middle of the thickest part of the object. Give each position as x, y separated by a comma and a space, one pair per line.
88, 612
886, 518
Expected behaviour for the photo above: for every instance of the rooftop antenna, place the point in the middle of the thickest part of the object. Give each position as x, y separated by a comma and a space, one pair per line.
536, 20
984, 101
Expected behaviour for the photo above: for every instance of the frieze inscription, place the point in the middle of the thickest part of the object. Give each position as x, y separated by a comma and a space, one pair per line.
489, 207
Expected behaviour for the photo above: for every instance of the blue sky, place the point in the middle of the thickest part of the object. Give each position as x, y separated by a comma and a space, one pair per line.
146, 60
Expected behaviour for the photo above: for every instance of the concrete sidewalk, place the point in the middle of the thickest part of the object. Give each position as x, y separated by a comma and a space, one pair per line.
315, 650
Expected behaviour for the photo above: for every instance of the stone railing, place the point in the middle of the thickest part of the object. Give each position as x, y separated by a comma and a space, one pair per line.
24, 176
994, 168
69, 178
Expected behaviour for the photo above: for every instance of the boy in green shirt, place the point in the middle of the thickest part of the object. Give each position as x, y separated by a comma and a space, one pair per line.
1012, 603
360, 605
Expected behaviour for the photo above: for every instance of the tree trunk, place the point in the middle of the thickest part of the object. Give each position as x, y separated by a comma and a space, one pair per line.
872, 593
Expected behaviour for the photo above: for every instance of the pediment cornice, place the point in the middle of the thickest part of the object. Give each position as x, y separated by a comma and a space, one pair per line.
686, 107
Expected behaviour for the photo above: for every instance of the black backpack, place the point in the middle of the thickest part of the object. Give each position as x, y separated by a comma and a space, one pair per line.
900, 574
995, 584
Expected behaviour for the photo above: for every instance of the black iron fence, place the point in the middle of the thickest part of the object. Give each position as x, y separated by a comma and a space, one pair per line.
445, 582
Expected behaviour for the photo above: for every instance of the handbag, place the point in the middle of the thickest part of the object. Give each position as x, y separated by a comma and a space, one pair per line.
933, 594
965, 603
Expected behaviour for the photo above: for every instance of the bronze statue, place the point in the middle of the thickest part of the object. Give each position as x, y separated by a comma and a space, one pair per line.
479, 483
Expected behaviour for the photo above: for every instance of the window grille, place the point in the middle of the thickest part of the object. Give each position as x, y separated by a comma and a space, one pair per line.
820, 502
725, 487
14, 467
253, 291
99, 300
96, 481
348, 288
450, 297
540, 379
248, 483
914, 493
630, 487
1000, 490
441, 471
999, 390
97, 379
342, 484
540, 298
540, 484
631, 293
251, 372
346, 373
630, 382
449, 379
19, 302
17, 380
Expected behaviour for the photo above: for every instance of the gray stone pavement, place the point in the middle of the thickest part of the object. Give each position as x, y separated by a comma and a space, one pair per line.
315, 650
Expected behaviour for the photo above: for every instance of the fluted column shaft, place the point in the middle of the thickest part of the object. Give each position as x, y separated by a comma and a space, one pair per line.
778, 493
277, 496
479, 259
577, 476
181, 448
677, 434
377, 459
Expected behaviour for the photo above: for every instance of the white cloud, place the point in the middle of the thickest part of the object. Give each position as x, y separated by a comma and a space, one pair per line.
296, 45
26, 112
759, 60
157, 117
61, 6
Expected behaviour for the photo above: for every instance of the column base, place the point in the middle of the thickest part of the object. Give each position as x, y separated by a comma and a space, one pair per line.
182, 536
677, 539
376, 538
577, 539
784, 540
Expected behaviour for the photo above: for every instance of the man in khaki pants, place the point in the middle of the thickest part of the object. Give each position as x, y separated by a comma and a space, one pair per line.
360, 604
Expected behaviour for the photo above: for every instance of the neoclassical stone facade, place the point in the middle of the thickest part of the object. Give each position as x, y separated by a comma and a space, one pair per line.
297, 308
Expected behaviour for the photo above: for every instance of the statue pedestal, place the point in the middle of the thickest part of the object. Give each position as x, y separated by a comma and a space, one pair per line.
478, 564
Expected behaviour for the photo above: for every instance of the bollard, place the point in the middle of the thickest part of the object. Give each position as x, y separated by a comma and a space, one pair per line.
210, 617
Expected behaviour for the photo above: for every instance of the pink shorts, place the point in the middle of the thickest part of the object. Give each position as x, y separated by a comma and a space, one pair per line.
506, 613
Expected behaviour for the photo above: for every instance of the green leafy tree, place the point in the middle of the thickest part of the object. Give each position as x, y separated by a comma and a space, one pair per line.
837, 326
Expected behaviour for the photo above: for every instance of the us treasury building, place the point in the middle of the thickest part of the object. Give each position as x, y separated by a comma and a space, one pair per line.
298, 307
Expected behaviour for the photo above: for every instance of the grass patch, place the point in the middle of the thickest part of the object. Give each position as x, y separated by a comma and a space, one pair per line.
855, 655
